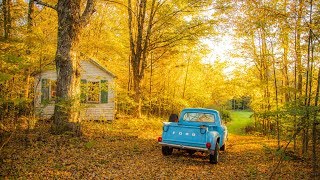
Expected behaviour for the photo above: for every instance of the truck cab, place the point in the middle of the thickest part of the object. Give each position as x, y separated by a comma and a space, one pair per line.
197, 129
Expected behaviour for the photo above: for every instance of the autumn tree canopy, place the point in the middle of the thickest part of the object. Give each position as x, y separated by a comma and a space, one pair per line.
157, 50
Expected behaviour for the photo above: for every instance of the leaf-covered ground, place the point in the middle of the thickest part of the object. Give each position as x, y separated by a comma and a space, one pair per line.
127, 149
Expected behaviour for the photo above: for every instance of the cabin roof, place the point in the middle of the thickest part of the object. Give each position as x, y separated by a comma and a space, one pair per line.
96, 63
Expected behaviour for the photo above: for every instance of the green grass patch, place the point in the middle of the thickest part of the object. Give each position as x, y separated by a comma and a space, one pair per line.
240, 119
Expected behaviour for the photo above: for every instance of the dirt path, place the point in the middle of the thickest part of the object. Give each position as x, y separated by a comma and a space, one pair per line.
110, 155
246, 158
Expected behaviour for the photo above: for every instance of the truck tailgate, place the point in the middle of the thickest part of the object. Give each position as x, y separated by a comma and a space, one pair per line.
185, 135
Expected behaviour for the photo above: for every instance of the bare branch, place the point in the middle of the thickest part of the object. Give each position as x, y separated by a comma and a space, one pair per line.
46, 4
174, 13
154, 61
119, 3
87, 12
147, 38
130, 12
178, 36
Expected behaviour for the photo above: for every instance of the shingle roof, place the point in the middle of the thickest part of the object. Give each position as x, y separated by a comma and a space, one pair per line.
96, 63
101, 67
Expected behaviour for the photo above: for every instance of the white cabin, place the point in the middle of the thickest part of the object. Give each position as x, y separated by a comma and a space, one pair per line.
97, 92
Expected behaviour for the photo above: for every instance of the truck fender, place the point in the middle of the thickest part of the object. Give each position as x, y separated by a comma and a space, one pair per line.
213, 138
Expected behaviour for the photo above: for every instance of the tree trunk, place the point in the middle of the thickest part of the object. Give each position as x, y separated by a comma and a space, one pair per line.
295, 104
285, 45
315, 122
265, 75
137, 97
30, 15
298, 48
298, 64
28, 51
308, 88
67, 65
139, 42
6, 7
150, 83
314, 131
276, 93
70, 22
129, 74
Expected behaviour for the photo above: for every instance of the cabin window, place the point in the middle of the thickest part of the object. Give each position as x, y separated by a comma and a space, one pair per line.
53, 89
104, 91
48, 90
94, 91
91, 91
44, 91
93, 95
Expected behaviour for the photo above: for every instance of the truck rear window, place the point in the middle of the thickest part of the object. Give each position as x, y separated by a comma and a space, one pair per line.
198, 117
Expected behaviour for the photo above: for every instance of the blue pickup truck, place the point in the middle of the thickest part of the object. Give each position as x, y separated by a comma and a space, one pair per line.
197, 129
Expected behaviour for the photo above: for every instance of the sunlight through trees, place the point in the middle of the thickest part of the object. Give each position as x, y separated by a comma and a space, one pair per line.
166, 57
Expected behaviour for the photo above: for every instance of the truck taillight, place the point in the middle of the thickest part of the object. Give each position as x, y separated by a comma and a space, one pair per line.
159, 139
208, 145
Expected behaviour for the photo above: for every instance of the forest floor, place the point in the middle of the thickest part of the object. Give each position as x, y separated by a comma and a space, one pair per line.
127, 149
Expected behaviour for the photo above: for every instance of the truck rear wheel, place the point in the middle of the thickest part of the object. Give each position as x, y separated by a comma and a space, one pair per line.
223, 147
214, 158
167, 150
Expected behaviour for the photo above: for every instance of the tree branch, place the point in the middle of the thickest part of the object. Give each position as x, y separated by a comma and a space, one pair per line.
178, 35
132, 45
119, 3
46, 4
147, 38
87, 12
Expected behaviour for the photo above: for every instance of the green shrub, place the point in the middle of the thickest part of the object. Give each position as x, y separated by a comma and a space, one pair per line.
225, 115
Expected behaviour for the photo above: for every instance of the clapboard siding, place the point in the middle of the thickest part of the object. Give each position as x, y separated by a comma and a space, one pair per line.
91, 71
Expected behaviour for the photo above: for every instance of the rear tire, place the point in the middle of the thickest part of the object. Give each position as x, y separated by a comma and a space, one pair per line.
223, 147
214, 158
166, 151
